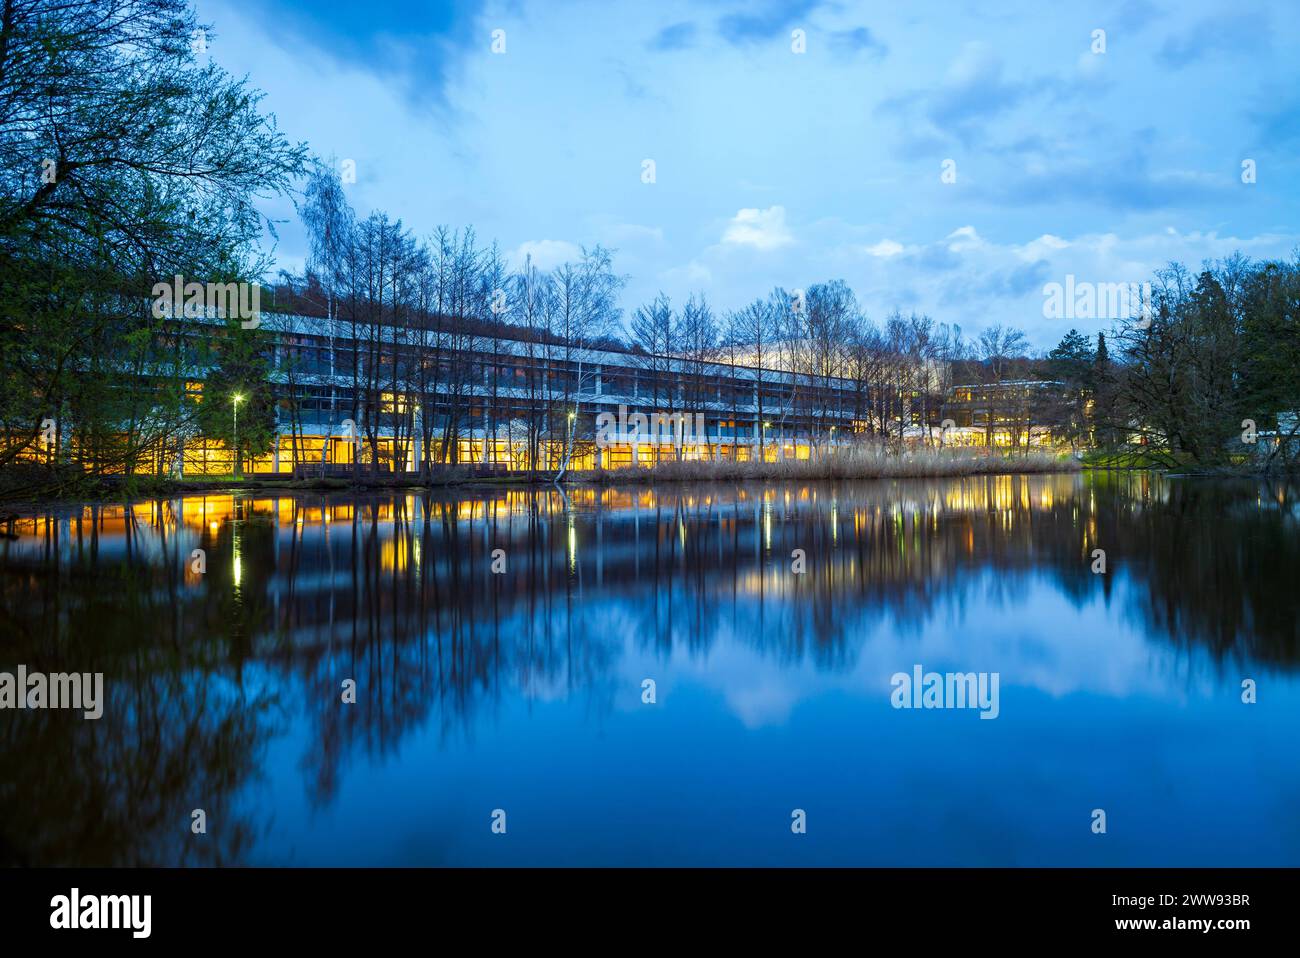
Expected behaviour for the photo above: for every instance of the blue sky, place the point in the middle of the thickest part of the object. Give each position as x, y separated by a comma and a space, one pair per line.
780, 168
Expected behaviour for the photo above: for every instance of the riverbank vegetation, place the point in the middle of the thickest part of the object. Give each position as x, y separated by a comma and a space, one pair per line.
1206, 379
862, 462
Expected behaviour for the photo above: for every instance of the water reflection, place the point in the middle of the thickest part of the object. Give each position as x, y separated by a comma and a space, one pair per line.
224, 684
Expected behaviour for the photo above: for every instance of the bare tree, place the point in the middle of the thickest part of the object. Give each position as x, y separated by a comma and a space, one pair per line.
654, 343
831, 318
330, 226
997, 346
699, 350
751, 330
585, 311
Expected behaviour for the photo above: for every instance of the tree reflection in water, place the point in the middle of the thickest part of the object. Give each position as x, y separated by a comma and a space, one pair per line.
396, 591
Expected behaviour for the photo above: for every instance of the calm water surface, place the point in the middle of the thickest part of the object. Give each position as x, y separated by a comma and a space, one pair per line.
522, 691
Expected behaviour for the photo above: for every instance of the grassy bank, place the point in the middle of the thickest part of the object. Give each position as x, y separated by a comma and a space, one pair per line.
870, 463
1238, 467
1122, 459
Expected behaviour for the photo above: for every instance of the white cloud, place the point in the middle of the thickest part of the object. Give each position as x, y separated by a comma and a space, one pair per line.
546, 254
1042, 247
886, 248
964, 238
761, 229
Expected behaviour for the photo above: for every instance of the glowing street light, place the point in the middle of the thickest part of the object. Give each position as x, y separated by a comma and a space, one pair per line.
235, 400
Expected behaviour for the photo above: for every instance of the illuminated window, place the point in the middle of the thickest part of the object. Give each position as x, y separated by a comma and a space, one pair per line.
390, 403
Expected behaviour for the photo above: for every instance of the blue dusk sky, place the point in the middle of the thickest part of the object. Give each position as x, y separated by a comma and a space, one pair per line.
775, 167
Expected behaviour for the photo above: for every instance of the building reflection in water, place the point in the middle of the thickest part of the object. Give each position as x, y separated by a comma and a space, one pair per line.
203, 668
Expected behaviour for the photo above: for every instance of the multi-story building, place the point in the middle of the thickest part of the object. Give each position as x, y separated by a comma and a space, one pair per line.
403, 397
1010, 413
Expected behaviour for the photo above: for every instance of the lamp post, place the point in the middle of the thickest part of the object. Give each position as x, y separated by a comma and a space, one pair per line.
235, 400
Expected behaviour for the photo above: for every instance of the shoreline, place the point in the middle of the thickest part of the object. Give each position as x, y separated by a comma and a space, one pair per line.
928, 464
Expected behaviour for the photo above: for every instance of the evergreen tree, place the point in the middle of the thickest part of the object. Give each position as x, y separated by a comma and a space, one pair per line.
1071, 360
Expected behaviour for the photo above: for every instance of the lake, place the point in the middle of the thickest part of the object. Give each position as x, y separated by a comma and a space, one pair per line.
664, 675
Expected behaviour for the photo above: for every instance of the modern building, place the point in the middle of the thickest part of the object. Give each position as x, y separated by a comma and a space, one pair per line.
406, 396
1013, 413
401, 398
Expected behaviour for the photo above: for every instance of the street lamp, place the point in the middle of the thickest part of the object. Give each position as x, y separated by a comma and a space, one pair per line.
568, 440
235, 400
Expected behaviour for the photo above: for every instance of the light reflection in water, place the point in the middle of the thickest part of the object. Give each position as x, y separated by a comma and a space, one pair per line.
529, 683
